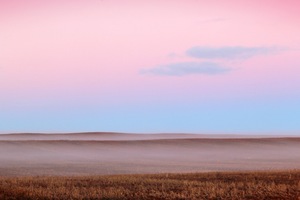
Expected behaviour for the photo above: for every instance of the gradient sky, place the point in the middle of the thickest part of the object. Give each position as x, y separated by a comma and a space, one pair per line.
150, 66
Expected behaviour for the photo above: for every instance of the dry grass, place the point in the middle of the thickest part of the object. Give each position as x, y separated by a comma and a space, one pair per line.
217, 185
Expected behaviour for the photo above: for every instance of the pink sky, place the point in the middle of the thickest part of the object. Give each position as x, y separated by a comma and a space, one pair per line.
62, 53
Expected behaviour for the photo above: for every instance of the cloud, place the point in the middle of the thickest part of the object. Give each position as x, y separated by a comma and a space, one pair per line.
210, 53
230, 52
187, 68
172, 55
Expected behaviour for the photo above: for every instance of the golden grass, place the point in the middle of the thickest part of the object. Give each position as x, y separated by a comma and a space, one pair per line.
215, 185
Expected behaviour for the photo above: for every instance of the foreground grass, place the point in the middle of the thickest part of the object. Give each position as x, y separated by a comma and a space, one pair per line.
250, 185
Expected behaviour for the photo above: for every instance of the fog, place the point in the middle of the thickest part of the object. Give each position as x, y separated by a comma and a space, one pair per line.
103, 136
76, 155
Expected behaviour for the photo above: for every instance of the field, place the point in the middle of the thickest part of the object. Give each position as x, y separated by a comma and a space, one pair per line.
213, 185
148, 166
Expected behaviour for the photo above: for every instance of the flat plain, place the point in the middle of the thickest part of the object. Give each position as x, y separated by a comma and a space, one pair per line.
116, 153
210, 185
148, 166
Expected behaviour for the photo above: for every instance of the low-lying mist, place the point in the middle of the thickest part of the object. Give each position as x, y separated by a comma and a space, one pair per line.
146, 155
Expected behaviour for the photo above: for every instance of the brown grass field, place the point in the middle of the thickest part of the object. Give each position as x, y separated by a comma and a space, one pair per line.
213, 185
165, 166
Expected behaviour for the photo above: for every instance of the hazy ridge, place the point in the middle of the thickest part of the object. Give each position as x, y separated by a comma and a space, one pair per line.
100, 136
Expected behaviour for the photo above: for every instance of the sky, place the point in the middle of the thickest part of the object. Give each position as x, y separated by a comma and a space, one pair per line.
186, 66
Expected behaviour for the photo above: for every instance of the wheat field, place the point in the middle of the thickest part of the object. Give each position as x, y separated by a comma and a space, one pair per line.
213, 185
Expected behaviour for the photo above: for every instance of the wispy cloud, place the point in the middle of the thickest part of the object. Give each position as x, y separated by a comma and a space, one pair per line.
187, 68
172, 55
230, 52
212, 54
